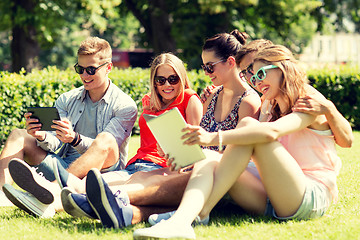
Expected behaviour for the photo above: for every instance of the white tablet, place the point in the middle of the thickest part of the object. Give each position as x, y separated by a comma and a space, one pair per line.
166, 129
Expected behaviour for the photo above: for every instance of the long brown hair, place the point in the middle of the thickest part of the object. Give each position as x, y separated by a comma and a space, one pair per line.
293, 80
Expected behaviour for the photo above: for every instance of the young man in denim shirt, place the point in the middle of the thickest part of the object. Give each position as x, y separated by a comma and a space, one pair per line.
95, 127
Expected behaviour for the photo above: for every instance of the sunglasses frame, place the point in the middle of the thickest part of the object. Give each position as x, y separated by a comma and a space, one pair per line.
263, 69
249, 69
209, 67
161, 80
90, 70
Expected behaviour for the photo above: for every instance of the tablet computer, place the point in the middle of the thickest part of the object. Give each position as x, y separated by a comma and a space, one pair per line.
45, 115
167, 130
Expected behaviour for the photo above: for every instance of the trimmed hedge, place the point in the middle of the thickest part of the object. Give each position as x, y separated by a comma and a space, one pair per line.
342, 86
42, 87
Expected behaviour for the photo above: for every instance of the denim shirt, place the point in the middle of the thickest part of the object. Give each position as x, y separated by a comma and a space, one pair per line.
117, 113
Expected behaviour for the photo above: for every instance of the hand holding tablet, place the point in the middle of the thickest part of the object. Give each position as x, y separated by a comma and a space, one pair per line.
167, 130
45, 115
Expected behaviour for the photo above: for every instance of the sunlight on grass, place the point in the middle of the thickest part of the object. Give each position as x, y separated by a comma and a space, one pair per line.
342, 221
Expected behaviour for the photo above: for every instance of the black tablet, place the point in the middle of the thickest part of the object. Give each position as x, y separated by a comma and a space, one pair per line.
45, 116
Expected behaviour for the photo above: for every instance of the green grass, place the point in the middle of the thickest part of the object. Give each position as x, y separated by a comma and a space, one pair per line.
342, 221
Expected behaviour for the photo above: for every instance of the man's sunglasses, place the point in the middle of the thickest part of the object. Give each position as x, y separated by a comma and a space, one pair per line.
248, 70
90, 70
260, 74
209, 67
172, 79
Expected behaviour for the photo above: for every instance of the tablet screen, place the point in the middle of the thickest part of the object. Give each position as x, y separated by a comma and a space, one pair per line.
45, 116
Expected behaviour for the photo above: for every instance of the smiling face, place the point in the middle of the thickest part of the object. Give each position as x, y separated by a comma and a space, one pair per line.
167, 91
97, 83
209, 57
270, 85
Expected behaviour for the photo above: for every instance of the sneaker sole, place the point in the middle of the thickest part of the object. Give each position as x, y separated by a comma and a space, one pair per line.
23, 177
100, 202
27, 206
70, 205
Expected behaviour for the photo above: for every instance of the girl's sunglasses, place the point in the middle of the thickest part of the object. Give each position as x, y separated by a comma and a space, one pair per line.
209, 67
260, 74
172, 79
90, 70
248, 70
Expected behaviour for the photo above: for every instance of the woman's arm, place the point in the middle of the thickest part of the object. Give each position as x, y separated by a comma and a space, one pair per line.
250, 131
194, 111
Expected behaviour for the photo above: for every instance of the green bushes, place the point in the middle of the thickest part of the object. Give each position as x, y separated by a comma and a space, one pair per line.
342, 86
42, 87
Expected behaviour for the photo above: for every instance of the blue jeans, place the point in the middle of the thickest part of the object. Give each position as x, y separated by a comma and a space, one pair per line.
47, 169
137, 166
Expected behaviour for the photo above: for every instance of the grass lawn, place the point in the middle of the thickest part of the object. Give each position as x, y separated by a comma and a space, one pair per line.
342, 221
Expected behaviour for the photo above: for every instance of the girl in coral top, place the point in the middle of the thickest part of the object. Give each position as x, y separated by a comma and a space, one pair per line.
293, 152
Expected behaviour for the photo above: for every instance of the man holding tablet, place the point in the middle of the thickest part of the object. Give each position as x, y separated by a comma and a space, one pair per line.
95, 127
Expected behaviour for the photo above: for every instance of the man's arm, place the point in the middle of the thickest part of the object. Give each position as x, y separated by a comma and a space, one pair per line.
317, 104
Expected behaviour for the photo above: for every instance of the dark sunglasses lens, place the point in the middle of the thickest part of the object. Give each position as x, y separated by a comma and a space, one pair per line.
210, 68
91, 70
160, 80
253, 81
79, 69
261, 74
173, 79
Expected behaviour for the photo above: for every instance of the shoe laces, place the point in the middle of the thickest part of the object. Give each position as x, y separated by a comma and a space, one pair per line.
41, 174
119, 196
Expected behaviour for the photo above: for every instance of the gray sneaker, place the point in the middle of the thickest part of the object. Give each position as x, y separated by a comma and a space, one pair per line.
156, 218
27, 202
76, 204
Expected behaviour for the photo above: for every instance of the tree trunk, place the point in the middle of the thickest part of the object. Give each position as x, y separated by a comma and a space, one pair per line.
24, 45
161, 28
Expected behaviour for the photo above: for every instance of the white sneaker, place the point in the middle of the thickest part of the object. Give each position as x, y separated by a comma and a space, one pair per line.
28, 179
164, 230
27, 202
156, 218
4, 201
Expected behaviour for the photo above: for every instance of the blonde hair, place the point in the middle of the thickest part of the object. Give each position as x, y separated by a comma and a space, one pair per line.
294, 80
95, 46
179, 68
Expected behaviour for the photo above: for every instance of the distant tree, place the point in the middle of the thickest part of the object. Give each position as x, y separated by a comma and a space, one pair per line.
172, 25
37, 24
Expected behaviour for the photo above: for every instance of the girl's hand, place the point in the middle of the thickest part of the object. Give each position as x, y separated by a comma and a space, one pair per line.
197, 135
170, 163
160, 151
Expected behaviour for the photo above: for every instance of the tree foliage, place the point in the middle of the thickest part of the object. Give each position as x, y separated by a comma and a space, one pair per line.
47, 32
